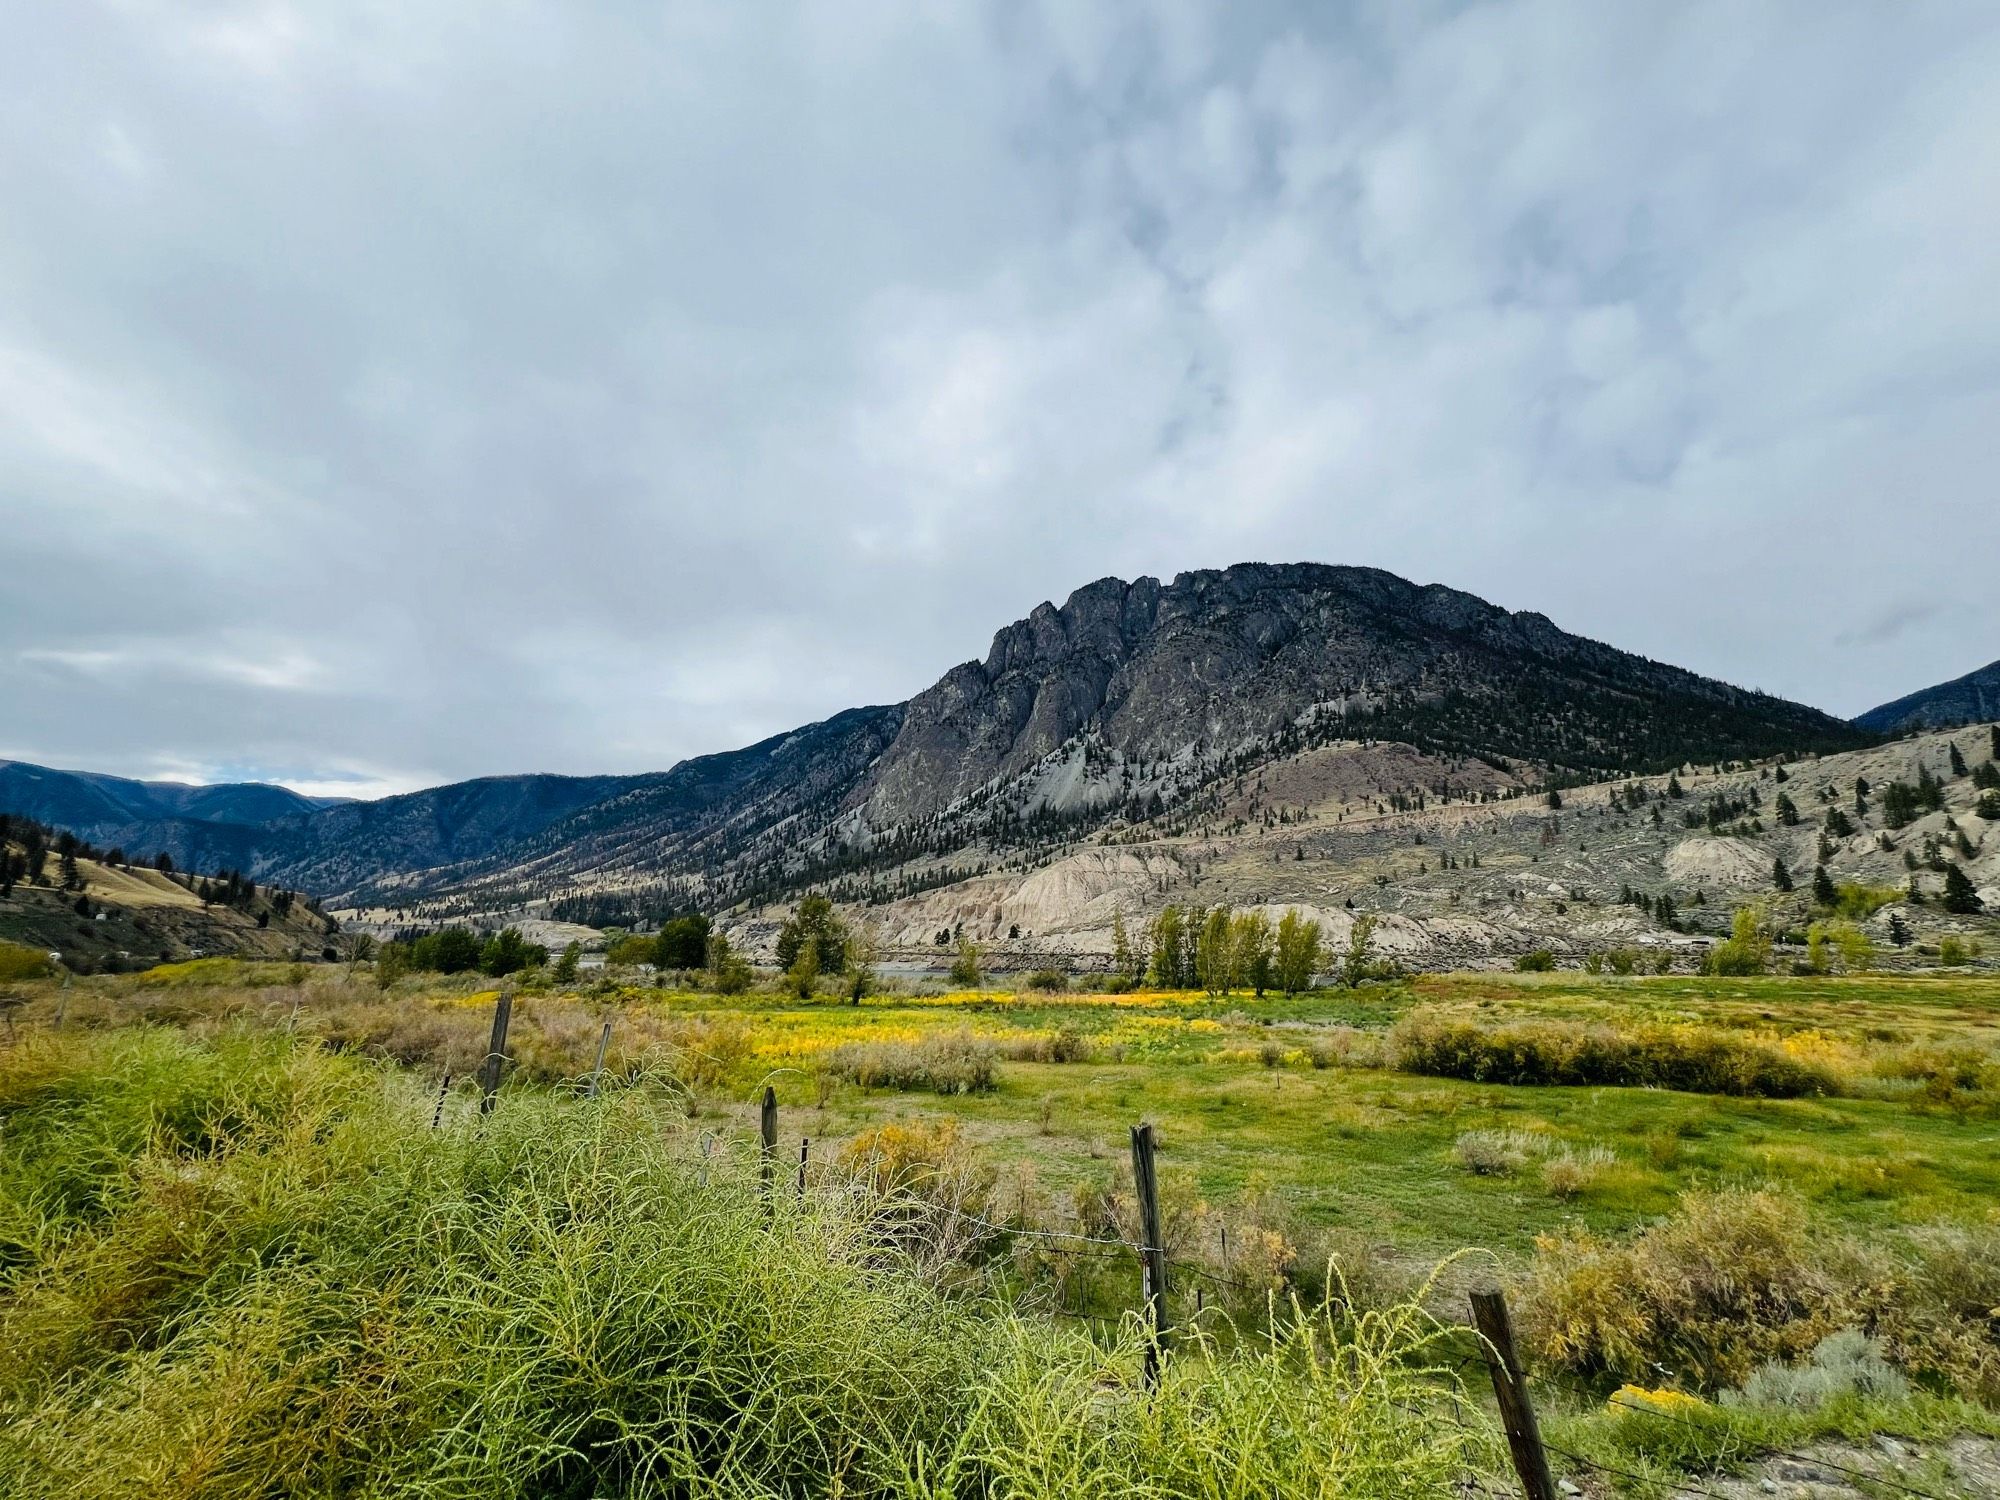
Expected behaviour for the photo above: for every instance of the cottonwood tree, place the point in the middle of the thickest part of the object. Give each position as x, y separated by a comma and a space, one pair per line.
1299, 953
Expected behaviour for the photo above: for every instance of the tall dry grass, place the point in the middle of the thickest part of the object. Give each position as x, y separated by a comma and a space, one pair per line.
241, 1264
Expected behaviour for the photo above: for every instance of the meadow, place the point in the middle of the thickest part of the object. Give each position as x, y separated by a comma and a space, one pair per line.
1329, 1158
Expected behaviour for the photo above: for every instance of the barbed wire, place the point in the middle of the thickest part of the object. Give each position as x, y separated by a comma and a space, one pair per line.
1674, 1486
1776, 1452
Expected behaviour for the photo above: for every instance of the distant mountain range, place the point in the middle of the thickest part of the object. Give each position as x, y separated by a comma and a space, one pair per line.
1129, 706
200, 826
1971, 699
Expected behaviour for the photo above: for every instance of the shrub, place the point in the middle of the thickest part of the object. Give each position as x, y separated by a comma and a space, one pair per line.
958, 1063
1538, 961
633, 950
1494, 1153
1954, 950
20, 962
1567, 1173
1747, 950
1847, 1363
1052, 980
1697, 1059
965, 966
1566, 1170
1724, 1285
1738, 1280
1064, 1045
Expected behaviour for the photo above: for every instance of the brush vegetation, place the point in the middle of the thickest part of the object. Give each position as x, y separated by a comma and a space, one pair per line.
235, 1259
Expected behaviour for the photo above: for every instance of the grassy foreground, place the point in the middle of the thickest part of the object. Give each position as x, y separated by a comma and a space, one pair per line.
234, 1258
246, 1266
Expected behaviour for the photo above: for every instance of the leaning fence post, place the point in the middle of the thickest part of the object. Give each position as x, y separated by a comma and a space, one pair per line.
62, 1000
1510, 1387
444, 1087
805, 1150
767, 1167
603, 1042
496, 1052
1152, 1254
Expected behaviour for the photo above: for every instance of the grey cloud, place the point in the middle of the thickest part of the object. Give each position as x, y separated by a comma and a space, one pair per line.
396, 393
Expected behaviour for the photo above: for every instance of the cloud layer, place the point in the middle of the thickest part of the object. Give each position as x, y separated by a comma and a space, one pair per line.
396, 393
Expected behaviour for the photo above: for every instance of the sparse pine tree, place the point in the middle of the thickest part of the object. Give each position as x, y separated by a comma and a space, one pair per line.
1780, 876
1823, 891
565, 970
1957, 760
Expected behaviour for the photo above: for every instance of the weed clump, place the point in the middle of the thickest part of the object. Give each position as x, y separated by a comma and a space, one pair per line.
957, 1063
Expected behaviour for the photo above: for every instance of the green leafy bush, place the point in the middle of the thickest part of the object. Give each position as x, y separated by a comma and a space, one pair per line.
1698, 1059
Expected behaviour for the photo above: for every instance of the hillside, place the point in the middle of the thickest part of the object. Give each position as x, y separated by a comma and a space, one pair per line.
1461, 869
109, 915
1971, 699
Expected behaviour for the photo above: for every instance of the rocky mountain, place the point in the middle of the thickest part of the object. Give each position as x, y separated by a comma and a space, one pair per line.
1971, 699
1220, 661
1127, 712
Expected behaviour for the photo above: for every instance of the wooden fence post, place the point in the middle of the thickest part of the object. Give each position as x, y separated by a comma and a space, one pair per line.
1510, 1387
496, 1051
1152, 1254
444, 1087
805, 1150
603, 1042
62, 1001
767, 1166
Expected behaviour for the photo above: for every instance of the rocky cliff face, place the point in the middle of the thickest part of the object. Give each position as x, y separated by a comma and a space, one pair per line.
1217, 660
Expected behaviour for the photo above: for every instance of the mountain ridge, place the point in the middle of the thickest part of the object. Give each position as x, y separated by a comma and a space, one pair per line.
1127, 704
1971, 699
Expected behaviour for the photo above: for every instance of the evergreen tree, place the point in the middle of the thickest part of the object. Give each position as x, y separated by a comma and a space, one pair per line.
1959, 896
1957, 760
1788, 810
565, 968
1823, 891
1780, 876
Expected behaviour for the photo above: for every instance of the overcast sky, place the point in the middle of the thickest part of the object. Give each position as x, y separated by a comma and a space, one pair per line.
392, 393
